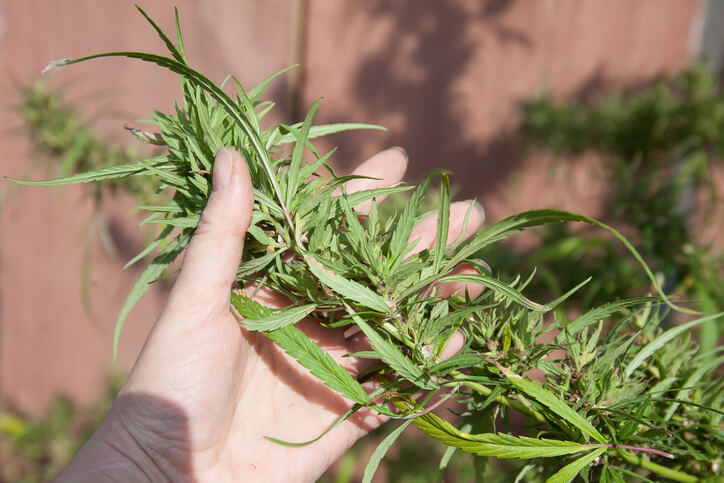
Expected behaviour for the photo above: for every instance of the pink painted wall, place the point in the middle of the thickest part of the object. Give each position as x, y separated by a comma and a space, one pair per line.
445, 77
48, 343
442, 76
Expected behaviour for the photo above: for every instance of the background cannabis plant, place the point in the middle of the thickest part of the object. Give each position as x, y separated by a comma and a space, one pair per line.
660, 145
615, 395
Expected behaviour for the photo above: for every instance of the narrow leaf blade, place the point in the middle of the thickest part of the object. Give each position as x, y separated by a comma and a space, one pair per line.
381, 451
152, 272
326, 129
662, 339
568, 472
111, 172
443, 223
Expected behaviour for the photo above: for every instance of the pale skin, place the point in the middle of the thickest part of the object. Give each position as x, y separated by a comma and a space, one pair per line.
204, 392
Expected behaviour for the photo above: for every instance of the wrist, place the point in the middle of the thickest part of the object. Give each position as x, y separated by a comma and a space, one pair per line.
126, 448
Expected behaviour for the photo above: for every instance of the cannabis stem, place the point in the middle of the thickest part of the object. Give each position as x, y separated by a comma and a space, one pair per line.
658, 469
486, 391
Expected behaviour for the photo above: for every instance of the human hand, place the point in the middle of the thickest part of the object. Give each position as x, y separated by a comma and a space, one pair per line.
204, 392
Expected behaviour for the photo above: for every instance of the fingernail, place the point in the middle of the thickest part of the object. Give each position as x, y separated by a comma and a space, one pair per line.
402, 150
223, 165
453, 345
479, 208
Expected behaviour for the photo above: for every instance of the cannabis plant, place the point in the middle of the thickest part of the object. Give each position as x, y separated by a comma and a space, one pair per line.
658, 146
616, 396
59, 135
66, 144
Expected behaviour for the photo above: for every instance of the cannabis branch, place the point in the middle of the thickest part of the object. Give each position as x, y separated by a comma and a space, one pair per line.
624, 395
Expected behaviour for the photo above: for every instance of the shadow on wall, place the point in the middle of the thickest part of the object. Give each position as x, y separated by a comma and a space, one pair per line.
436, 40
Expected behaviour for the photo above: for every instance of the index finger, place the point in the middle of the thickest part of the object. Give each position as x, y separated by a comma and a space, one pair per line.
384, 169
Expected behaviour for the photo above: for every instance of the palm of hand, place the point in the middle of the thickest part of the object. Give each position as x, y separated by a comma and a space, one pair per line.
229, 388
205, 393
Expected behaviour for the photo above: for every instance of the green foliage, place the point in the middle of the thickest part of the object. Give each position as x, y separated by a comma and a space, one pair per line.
59, 134
568, 472
659, 145
37, 448
670, 117
600, 390
68, 146
381, 451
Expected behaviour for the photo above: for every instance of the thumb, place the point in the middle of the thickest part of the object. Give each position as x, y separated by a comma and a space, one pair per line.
214, 253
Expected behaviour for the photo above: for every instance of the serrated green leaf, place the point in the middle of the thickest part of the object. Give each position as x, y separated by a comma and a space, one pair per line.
169, 45
308, 354
603, 312
179, 37
256, 264
555, 404
249, 308
259, 89
181, 221
277, 320
434, 326
309, 169
499, 287
513, 224
498, 445
293, 179
151, 246
392, 356
521, 221
691, 382
358, 197
349, 288
406, 220
218, 94
355, 232
111, 172
170, 207
566, 295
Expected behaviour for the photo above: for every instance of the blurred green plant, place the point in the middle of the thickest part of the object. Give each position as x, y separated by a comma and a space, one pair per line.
560, 255
37, 448
659, 145
64, 143
68, 144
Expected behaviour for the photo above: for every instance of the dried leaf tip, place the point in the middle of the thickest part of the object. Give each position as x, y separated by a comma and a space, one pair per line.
53, 64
